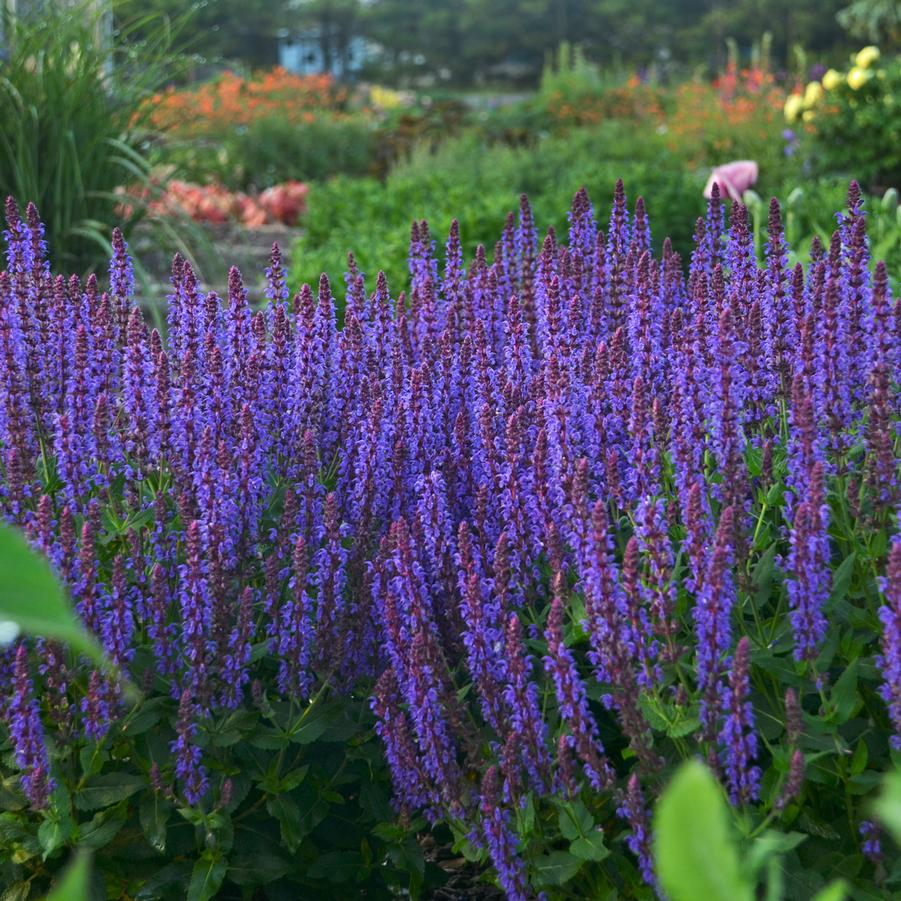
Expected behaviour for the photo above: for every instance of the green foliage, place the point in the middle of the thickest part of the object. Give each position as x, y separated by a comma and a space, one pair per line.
71, 124
872, 20
857, 126
308, 810
75, 882
695, 852
888, 807
32, 597
270, 151
477, 183
810, 212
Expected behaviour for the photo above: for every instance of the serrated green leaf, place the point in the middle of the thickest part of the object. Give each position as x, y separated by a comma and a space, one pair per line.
591, 847
288, 814
407, 856
556, 868
696, 855
106, 790
258, 868
269, 741
170, 881
146, 717
50, 836
841, 578
311, 724
101, 830
859, 758
18, 891
153, 815
684, 727
291, 780
652, 714
845, 696
574, 819
206, 877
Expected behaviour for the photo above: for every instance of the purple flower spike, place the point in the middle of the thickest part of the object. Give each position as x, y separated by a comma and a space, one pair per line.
890, 659
737, 737
501, 840
27, 735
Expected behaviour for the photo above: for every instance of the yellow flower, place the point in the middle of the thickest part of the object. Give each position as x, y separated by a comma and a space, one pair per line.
793, 106
812, 94
832, 79
866, 57
857, 78
385, 98
809, 115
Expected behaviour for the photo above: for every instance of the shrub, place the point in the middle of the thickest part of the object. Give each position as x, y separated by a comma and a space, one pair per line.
71, 112
738, 116
232, 100
475, 182
853, 119
557, 525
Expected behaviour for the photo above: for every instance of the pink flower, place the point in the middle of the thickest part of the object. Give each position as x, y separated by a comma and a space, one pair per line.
733, 178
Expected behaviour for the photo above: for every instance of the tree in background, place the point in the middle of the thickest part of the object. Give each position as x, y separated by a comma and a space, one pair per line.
874, 20
471, 41
239, 30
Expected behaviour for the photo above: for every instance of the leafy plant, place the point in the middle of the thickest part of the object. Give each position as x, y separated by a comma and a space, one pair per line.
696, 848
71, 109
32, 598
333, 557
852, 119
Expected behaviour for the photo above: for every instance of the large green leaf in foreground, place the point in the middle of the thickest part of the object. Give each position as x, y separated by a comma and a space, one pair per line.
33, 599
696, 854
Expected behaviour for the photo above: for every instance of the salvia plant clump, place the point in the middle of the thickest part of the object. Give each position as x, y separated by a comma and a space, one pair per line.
489, 559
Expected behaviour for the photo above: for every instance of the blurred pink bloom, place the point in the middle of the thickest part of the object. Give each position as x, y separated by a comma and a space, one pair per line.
733, 178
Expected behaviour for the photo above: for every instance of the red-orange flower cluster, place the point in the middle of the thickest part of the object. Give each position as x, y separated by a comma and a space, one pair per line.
738, 115
284, 203
232, 100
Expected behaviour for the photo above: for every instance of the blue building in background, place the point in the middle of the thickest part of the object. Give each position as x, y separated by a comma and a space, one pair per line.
310, 52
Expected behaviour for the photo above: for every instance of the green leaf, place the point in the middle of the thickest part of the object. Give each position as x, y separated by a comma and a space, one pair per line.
841, 578
408, 857
286, 811
103, 791
171, 881
845, 696
556, 868
32, 597
591, 847
154, 816
51, 836
575, 820
258, 868
835, 891
102, 829
684, 727
888, 807
311, 724
18, 891
695, 852
206, 877
649, 707
291, 780
336, 866
74, 884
